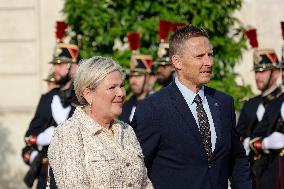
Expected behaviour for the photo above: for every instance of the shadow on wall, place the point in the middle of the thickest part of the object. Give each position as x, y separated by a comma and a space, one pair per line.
8, 180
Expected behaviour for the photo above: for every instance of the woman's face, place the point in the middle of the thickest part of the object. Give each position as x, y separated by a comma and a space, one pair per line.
108, 97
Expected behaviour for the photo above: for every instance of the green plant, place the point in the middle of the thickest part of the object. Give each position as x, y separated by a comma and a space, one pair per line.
98, 23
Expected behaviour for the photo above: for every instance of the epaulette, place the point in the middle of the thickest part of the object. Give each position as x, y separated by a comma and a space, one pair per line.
275, 94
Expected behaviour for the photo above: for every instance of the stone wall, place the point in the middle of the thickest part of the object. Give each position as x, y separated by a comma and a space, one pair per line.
27, 40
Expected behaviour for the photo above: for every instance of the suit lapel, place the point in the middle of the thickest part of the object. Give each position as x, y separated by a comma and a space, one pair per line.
214, 106
180, 106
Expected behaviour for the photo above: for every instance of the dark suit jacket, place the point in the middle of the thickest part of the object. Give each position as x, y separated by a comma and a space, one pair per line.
171, 143
248, 119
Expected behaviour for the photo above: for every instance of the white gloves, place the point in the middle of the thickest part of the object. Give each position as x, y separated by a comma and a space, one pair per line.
246, 145
260, 112
44, 138
33, 155
282, 111
274, 141
59, 113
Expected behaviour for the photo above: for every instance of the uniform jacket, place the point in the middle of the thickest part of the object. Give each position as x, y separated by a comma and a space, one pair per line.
43, 114
271, 119
271, 164
41, 121
83, 154
248, 120
171, 143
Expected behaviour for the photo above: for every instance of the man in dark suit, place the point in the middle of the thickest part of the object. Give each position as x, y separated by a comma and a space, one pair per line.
187, 130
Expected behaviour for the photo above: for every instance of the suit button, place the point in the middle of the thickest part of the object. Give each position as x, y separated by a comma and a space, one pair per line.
127, 164
209, 166
129, 184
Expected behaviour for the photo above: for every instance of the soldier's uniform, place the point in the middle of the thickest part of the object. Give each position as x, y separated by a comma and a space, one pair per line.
253, 109
140, 64
267, 144
41, 127
252, 112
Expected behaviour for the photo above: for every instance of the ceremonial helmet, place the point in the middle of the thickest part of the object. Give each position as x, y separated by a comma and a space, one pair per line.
263, 59
64, 52
139, 63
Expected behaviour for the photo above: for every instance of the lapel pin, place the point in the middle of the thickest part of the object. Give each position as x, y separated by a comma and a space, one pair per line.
216, 104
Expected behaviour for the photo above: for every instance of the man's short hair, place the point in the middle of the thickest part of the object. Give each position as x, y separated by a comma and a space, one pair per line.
183, 34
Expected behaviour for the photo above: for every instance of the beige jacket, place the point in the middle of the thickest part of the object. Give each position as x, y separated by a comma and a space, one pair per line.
82, 154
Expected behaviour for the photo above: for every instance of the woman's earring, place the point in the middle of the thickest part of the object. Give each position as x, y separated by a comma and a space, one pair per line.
90, 106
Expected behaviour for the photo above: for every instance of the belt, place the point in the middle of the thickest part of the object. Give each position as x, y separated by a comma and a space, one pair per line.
44, 160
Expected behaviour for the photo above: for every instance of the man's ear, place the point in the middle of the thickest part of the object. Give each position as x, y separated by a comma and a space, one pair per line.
87, 94
176, 61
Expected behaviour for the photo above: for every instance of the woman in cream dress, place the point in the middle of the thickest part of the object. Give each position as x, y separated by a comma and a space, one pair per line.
93, 149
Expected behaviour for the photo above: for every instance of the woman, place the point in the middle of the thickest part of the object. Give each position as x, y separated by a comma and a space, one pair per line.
93, 149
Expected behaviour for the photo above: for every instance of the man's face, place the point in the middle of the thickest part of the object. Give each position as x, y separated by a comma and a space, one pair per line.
138, 83
164, 72
194, 63
266, 79
60, 71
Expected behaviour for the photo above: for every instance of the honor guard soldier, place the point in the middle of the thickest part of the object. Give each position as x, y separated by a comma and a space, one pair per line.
163, 65
138, 75
54, 107
267, 143
266, 68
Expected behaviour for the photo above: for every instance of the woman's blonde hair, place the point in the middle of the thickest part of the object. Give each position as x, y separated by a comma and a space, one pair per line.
91, 73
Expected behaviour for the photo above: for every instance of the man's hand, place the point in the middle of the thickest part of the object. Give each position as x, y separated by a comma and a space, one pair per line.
44, 138
246, 145
274, 141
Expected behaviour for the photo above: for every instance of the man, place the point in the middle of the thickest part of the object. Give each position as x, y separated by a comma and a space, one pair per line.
139, 76
266, 68
187, 130
54, 107
267, 144
165, 69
